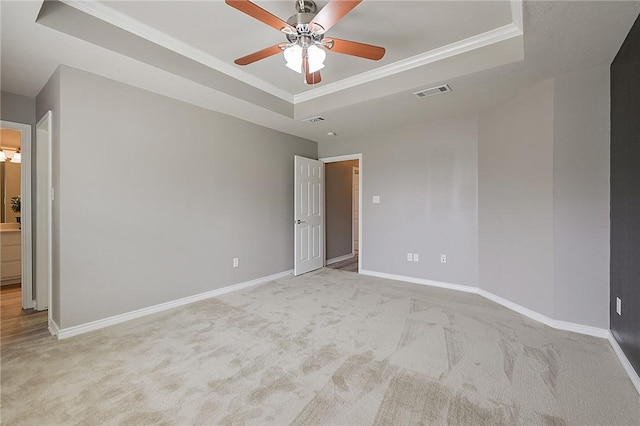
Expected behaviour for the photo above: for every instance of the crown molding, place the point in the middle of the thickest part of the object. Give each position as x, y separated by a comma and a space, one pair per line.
497, 35
124, 22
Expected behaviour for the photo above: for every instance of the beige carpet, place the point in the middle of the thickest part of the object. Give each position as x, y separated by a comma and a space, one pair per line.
330, 347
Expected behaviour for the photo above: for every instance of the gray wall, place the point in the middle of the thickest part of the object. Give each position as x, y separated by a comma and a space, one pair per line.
155, 197
543, 214
581, 197
339, 207
498, 193
17, 108
515, 199
539, 235
425, 176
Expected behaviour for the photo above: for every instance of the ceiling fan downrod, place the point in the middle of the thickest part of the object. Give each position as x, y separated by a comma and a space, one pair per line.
306, 6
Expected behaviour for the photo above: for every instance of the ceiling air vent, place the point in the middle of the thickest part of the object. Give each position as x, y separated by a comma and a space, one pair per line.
433, 91
315, 119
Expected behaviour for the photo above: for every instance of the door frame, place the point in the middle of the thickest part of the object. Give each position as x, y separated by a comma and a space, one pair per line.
46, 124
26, 213
353, 202
360, 166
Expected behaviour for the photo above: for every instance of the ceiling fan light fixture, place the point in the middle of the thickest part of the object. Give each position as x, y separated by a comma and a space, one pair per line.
317, 56
293, 56
295, 53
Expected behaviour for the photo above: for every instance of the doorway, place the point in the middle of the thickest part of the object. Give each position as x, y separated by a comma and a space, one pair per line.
342, 212
15, 229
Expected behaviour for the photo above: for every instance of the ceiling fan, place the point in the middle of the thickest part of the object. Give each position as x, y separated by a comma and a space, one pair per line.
304, 50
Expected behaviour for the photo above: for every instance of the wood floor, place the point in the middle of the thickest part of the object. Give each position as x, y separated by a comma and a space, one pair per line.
350, 265
16, 324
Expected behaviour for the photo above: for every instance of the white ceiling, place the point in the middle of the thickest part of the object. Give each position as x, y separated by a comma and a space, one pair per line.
423, 41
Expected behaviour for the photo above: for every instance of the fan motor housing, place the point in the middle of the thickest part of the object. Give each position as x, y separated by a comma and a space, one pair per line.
300, 21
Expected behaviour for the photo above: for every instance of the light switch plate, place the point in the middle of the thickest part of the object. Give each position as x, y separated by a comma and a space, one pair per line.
376, 199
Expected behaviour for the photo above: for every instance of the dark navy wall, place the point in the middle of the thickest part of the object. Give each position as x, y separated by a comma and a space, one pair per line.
625, 195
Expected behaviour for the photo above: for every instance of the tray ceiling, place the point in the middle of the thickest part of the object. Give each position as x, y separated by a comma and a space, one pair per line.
200, 40
485, 51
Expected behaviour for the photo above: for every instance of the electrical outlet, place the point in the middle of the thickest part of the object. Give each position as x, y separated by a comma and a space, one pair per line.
409, 257
443, 258
619, 306
235, 262
416, 257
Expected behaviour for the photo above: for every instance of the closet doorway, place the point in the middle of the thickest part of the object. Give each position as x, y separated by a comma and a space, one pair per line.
342, 212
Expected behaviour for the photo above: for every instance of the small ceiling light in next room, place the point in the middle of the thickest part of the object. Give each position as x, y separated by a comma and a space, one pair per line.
332, 134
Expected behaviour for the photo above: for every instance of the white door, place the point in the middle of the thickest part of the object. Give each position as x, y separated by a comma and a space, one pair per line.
308, 215
44, 197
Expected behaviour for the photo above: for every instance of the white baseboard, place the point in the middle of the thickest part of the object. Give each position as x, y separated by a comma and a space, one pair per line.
631, 372
340, 258
557, 324
457, 287
553, 323
117, 319
53, 328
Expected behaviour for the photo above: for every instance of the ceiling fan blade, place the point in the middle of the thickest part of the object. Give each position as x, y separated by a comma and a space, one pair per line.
260, 14
313, 78
261, 54
333, 12
354, 48
309, 77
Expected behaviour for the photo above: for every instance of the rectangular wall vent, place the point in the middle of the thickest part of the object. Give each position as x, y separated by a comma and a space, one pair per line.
313, 119
433, 91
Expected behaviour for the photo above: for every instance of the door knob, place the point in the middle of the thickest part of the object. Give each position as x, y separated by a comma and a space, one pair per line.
299, 221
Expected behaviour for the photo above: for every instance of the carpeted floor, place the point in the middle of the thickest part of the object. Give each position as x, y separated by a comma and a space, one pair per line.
329, 347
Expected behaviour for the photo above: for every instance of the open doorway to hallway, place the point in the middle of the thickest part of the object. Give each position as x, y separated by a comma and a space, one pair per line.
342, 214
15, 209
19, 320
